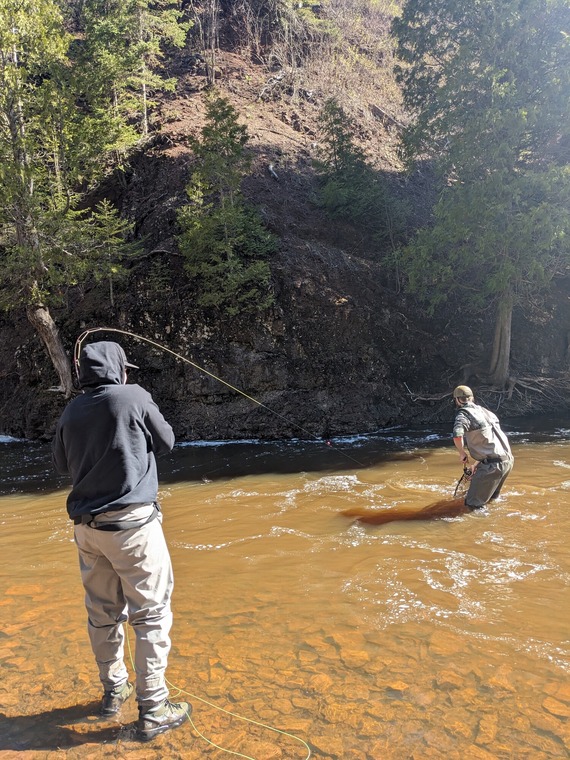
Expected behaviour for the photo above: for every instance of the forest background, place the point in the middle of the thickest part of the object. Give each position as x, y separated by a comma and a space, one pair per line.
342, 208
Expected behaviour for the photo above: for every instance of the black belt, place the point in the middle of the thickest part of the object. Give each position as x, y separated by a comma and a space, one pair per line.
121, 525
495, 460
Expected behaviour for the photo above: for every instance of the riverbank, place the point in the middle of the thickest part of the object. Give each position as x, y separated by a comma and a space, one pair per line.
329, 361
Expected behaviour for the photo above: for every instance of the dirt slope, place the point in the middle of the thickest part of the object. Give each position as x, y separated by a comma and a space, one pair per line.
342, 351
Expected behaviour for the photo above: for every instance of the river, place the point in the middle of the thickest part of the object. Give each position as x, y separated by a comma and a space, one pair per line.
299, 632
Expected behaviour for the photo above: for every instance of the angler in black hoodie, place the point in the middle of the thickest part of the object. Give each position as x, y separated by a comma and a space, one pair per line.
106, 440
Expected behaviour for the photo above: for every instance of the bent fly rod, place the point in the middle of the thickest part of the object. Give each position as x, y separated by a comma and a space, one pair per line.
81, 339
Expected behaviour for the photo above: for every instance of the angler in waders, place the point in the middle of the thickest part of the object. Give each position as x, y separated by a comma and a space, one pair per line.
477, 432
107, 440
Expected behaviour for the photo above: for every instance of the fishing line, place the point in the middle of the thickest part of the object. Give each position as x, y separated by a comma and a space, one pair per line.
227, 712
83, 336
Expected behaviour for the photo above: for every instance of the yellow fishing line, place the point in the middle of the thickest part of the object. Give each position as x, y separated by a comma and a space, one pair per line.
76, 357
77, 354
227, 712
83, 335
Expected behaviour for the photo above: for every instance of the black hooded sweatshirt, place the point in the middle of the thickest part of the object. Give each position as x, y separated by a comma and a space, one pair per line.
107, 438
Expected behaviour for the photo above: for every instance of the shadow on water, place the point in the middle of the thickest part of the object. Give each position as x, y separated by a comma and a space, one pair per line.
413, 642
25, 466
55, 729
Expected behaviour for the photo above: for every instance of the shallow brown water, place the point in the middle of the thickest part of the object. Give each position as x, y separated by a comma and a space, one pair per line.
408, 641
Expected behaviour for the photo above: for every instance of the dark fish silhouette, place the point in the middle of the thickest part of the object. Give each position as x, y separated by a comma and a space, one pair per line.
443, 508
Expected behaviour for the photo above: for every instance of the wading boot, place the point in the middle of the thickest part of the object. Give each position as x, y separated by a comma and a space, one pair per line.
161, 718
113, 700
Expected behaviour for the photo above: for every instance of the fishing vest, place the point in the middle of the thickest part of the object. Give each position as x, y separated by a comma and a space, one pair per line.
482, 432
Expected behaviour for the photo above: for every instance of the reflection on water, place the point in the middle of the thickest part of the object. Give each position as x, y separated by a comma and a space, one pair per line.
446, 639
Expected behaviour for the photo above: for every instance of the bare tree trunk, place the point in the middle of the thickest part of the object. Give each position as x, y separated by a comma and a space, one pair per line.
144, 93
42, 322
144, 103
499, 364
213, 22
208, 36
38, 313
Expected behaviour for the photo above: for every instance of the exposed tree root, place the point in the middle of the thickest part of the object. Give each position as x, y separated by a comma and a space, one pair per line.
523, 395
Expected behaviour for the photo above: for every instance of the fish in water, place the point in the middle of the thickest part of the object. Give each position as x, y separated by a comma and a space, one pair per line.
443, 508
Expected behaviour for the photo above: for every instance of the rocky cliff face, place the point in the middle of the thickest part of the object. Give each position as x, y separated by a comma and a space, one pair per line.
338, 354
342, 351
331, 357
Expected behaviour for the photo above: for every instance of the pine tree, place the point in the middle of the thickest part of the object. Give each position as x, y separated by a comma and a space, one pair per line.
489, 84
49, 147
222, 238
350, 189
125, 41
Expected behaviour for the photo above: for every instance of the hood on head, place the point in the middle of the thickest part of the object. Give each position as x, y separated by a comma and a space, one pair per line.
103, 363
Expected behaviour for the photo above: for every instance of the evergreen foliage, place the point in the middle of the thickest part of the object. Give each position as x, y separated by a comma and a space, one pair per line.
490, 86
123, 48
488, 82
55, 136
350, 188
223, 240
49, 149
514, 248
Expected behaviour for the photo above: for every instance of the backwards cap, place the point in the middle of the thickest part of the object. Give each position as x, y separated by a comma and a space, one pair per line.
463, 391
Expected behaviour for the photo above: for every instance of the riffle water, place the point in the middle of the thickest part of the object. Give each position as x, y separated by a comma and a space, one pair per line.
297, 631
